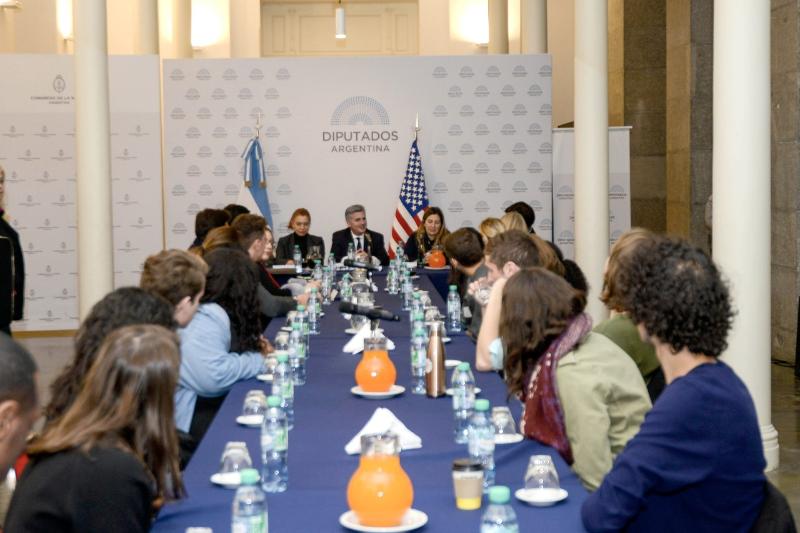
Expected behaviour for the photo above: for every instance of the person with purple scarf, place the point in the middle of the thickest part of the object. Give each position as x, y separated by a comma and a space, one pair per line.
581, 393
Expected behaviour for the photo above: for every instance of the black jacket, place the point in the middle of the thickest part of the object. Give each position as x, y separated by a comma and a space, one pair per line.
285, 248
374, 244
12, 275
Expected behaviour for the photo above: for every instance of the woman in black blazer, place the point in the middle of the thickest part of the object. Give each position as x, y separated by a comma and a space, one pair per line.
299, 224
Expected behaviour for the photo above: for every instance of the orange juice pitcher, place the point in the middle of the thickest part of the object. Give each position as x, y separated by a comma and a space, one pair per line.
375, 372
380, 491
436, 258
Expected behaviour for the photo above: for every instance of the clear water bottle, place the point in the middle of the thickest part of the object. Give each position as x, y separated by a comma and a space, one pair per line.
328, 282
317, 273
400, 254
391, 278
283, 387
463, 385
302, 318
419, 360
418, 321
453, 309
297, 355
297, 257
346, 288
274, 448
499, 516
313, 312
351, 251
416, 303
481, 441
249, 513
408, 290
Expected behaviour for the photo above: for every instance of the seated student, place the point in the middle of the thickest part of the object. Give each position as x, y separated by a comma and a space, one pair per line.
300, 223
464, 249
619, 327
504, 255
513, 220
177, 276
205, 221
526, 211
252, 239
234, 210
582, 394
697, 463
491, 227
429, 234
269, 282
123, 307
112, 459
222, 344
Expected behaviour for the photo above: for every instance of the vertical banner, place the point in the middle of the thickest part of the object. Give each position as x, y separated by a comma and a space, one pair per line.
336, 131
37, 150
619, 177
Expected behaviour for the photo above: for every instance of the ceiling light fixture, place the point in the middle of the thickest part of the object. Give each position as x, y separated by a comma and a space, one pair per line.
341, 32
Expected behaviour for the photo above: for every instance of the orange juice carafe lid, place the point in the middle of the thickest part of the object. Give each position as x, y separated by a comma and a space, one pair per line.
380, 444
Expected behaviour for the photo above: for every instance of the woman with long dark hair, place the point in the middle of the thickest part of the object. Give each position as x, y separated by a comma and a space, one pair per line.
123, 307
111, 460
581, 393
429, 234
222, 344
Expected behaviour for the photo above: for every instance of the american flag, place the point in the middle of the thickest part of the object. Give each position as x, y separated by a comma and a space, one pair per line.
412, 202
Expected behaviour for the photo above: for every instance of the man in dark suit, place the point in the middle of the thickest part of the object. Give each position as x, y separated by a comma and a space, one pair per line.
368, 244
12, 269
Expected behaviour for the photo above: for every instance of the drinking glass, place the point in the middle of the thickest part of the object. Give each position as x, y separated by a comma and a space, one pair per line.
255, 403
282, 340
484, 289
503, 421
235, 458
541, 473
314, 252
365, 299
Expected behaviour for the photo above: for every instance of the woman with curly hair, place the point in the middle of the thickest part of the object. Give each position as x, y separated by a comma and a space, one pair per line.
619, 327
581, 393
697, 464
111, 460
222, 344
123, 307
429, 234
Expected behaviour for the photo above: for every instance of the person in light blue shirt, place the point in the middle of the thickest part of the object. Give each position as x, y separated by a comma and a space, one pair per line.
222, 344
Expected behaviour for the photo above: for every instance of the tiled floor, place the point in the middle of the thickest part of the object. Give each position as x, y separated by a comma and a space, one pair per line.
53, 353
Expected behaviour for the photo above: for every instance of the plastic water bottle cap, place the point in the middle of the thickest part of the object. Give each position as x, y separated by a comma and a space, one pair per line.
463, 367
480, 405
313, 289
301, 307
284, 357
273, 401
499, 494
296, 326
249, 476
419, 331
453, 288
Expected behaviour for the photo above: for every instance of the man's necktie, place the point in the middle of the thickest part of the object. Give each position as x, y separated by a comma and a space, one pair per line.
358, 244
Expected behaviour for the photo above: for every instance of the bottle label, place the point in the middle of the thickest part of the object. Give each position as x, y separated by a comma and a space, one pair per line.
462, 399
275, 441
287, 389
249, 524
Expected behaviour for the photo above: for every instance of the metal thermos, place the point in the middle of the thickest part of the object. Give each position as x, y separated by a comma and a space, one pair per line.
434, 367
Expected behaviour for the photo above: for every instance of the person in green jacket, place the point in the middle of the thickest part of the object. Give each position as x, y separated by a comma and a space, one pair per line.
619, 327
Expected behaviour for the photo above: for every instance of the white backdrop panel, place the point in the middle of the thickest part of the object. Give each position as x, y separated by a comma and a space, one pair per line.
619, 177
337, 131
37, 150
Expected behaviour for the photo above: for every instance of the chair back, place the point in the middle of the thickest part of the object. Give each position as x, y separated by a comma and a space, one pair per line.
775, 515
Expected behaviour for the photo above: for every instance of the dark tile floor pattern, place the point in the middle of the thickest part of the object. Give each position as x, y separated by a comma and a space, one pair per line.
52, 353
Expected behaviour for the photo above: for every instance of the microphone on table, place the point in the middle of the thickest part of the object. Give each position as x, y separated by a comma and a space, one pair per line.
370, 312
359, 264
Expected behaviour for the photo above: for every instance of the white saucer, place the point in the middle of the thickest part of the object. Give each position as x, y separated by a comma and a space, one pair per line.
413, 519
286, 328
264, 377
229, 480
437, 268
350, 331
251, 421
449, 391
394, 390
508, 438
451, 363
541, 497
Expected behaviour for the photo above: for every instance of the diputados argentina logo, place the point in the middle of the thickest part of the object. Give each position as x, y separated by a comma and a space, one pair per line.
360, 124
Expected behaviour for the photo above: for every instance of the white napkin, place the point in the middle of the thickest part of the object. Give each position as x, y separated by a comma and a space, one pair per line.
356, 343
383, 420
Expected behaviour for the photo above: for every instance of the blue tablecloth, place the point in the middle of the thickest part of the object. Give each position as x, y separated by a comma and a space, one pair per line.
327, 416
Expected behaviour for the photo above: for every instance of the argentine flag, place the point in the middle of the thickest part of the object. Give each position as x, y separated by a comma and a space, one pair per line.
253, 193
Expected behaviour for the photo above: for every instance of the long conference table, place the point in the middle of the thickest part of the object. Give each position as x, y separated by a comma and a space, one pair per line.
327, 416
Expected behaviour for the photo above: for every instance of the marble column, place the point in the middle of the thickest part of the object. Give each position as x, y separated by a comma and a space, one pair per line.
93, 148
498, 26
245, 28
533, 26
148, 27
741, 185
591, 146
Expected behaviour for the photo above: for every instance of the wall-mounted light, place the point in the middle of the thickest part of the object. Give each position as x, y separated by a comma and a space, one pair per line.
341, 32
469, 21
10, 4
64, 19
206, 25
